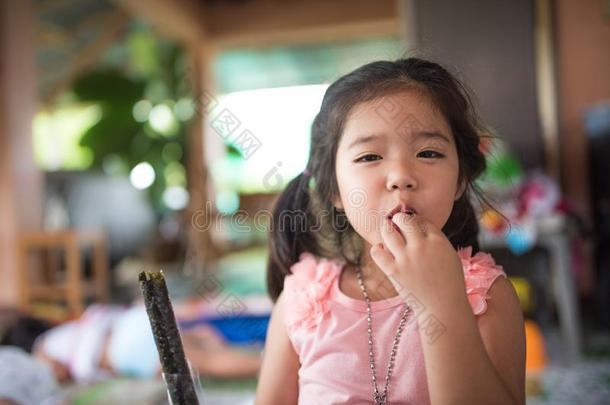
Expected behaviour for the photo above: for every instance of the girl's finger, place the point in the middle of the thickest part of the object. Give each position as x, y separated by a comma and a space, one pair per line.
413, 227
383, 258
386, 263
392, 238
427, 228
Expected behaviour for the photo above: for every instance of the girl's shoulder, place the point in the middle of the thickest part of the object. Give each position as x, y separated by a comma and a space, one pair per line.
480, 272
312, 269
307, 290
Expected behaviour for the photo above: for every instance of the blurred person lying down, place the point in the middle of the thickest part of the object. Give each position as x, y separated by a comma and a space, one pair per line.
111, 341
26, 381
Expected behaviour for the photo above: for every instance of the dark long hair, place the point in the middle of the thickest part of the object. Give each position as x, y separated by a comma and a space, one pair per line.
22, 331
297, 223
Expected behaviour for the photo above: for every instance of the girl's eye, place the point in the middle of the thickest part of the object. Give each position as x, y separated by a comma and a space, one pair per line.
429, 154
368, 158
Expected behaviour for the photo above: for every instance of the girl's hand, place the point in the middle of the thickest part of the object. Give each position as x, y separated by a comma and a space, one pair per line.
419, 260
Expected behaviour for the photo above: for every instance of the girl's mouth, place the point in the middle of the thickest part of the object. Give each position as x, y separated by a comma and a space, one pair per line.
403, 207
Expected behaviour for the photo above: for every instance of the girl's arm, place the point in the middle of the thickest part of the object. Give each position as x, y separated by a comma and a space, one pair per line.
278, 380
468, 360
478, 360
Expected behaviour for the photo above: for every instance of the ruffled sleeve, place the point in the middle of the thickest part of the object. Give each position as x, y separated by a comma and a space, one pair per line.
307, 291
480, 271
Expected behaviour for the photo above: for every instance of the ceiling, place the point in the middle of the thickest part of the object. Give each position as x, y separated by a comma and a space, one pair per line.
71, 36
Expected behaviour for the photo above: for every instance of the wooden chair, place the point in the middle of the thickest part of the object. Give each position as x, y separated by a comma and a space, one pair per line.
44, 281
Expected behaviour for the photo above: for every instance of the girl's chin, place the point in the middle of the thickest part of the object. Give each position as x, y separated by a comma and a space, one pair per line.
369, 243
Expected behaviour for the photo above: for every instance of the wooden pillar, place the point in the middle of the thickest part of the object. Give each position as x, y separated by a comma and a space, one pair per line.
201, 249
583, 57
20, 180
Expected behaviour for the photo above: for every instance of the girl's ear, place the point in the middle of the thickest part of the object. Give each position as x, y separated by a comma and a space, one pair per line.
460, 190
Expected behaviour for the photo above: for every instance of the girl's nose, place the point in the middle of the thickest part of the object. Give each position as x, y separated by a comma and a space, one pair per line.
401, 177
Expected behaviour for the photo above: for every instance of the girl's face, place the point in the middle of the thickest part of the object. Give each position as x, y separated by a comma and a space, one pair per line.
396, 153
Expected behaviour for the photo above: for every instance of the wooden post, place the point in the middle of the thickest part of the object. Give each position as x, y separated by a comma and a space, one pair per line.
20, 181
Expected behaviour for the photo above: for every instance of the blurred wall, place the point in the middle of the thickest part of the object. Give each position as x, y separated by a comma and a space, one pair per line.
20, 180
583, 53
491, 45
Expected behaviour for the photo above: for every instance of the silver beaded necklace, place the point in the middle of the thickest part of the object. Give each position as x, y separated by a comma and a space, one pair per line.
380, 398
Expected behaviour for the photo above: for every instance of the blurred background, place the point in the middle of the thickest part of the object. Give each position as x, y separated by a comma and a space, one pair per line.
145, 135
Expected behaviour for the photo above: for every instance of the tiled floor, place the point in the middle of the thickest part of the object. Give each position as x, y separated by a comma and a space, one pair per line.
586, 382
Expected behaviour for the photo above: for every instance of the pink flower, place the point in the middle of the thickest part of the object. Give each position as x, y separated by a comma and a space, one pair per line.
480, 271
310, 283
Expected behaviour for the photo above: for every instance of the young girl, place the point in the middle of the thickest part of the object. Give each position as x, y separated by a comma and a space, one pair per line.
381, 295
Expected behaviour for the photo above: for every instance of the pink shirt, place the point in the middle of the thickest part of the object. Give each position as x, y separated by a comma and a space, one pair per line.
328, 330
